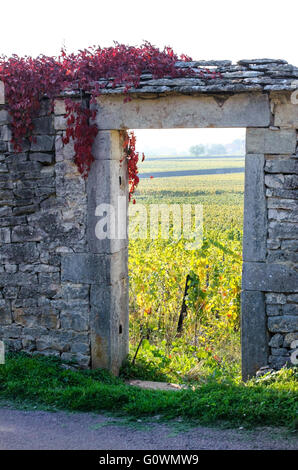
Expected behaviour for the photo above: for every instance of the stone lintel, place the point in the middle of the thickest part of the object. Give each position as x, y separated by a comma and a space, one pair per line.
166, 112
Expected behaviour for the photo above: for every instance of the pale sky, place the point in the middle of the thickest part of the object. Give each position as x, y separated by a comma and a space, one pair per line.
218, 29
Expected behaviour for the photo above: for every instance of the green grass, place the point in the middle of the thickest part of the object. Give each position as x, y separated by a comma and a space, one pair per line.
272, 401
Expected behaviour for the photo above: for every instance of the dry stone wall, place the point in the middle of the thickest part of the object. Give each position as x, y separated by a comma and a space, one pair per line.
64, 292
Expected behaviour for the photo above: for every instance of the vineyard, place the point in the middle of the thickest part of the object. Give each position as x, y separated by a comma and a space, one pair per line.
163, 271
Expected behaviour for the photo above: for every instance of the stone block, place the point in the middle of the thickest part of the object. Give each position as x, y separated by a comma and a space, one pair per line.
254, 333
17, 279
286, 115
84, 268
107, 206
269, 141
2, 93
241, 110
282, 165
290, 309
5, 312
255, 214
90, 268
5, 133
5, 235
289, 338
60, 123
27, 233
107, 146
277, 362
275, 298
269, 277
43, 125
109, 325
59, 107
42, 143
273, 310
283, 324
5, 117
41, 157
292, 298
276, 340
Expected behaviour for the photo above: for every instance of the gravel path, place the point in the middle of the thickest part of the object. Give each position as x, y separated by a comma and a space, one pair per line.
61, 430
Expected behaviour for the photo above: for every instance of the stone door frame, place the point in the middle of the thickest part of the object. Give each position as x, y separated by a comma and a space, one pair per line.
252, 111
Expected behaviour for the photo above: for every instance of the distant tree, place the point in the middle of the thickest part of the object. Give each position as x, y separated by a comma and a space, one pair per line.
216, 149
197, 150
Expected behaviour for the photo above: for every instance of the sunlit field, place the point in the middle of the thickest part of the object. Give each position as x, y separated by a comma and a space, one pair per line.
210, 336
153, 164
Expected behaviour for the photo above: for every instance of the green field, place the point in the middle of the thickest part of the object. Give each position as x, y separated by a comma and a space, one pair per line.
154, 164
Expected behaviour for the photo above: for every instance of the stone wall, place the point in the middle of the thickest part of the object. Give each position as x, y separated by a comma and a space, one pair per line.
64, 292
270, 270
42, 217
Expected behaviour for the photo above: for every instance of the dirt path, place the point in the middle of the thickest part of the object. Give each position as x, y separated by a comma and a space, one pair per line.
61, 430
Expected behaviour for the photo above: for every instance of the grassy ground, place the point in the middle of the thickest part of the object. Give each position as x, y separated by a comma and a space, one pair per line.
42, 382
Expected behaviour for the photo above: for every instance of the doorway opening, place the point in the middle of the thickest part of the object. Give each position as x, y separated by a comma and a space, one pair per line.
184, 302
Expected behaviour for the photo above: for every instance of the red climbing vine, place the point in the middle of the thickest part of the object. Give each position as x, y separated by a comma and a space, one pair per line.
27, 80
129, 147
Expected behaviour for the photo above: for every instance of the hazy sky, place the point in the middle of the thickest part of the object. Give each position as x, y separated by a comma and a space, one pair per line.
218, 29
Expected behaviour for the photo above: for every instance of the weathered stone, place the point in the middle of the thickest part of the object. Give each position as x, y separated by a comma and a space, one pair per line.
283, 230
277, 362
283, 165
4, 235
290, 309
254, 333
287, 204
283, 215
28, 233
261, 141
5, 312
59, 107
275, 298
16, 279
282, 193
283, 324
2, 93
289, 338
42, 143
43, 125
269, 277
273, 310
279, 352
5, 133
109, 315
276, 340
41, 157
286, 115
255, 216
60, 123
183, 111
292, 298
